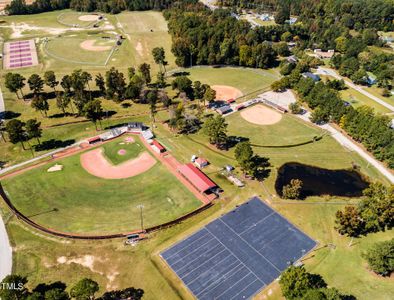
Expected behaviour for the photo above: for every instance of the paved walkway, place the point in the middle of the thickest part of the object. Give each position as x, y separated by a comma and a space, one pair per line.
2, 105
330, 72
5, 252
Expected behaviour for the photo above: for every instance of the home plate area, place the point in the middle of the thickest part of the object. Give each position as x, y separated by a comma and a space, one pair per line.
237, 255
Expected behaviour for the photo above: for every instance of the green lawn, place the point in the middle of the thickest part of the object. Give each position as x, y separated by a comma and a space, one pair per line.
111, 150
245, 79
87, 204
67, 48
357, 99
71, 18
145, 31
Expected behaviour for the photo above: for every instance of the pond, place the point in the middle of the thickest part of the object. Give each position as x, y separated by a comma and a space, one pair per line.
319, 181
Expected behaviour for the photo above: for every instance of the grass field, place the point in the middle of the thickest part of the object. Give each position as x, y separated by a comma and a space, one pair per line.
37, 256
145, 31
357, 99
245, 79
87, 204
72, 18
132, 150
68, 48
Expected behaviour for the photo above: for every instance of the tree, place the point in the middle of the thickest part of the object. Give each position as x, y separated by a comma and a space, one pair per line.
39, 103
62, 101
209, 95
36, 83
17, 283
84, 289
130, 72
183, 84
56, 294
115, 84
161, 80
244, 156
295, 108
296, 281
380, 257
14, 83
293, 189
50, 79
33, 129
280, 85
319, 116
134, 87
16, 132
100, 82
144, 70
216, 129
129, 293
66, 83
152, 99
159, 57
348, 222
93, 111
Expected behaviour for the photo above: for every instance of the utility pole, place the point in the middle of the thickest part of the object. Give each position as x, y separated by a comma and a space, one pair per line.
141, 216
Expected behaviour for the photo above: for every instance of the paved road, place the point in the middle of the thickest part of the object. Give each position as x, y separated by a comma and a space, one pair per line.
5, 252
330, 72
5, 248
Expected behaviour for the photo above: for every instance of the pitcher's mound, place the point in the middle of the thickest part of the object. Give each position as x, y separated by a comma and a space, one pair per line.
90, 46
261, 115
225, 92
88, 18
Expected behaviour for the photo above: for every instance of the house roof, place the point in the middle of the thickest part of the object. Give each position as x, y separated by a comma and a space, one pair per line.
201, 160
196, 177
224, 108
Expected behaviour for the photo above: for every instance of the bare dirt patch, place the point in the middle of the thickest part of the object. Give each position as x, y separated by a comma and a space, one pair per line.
261, 115
89, 45
88, 18
140, 49
96, 164
225, 92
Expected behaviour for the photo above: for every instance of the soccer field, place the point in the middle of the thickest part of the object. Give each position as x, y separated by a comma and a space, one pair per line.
72, 200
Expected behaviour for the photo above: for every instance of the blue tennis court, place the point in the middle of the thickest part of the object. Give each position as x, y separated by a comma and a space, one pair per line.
238, 254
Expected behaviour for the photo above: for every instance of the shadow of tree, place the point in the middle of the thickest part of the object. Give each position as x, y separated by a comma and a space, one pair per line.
53, 144
7, 115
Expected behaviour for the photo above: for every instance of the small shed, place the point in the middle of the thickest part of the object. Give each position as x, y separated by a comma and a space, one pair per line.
312, 76
224, 109
157, 147
201, 162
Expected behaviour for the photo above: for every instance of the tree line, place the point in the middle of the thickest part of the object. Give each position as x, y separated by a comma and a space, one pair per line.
19, 7
13, 287
362, 124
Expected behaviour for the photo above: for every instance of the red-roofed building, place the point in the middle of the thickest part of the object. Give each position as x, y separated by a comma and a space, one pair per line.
157, 147
197, 178
201, 162
94, 140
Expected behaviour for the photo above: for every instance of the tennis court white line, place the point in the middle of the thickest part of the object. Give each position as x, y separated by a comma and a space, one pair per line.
236, 283
243, 289
255, 224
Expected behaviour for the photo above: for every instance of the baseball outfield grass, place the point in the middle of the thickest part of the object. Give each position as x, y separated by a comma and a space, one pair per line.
72, 200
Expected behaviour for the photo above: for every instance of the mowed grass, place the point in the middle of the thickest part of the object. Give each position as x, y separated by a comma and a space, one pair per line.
245, 79
145, 31
84, 203
111, 150
68, 48
357, 99
71, 18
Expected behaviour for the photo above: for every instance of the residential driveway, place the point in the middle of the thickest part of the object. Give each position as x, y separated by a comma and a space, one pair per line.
330, 72
5, 252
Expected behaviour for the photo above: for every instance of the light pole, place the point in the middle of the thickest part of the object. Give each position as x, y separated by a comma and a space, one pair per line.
141, 216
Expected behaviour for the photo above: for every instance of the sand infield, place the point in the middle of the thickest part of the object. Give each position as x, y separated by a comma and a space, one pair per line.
89, 45
225, 92
88, 18
96, 164
261, 115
